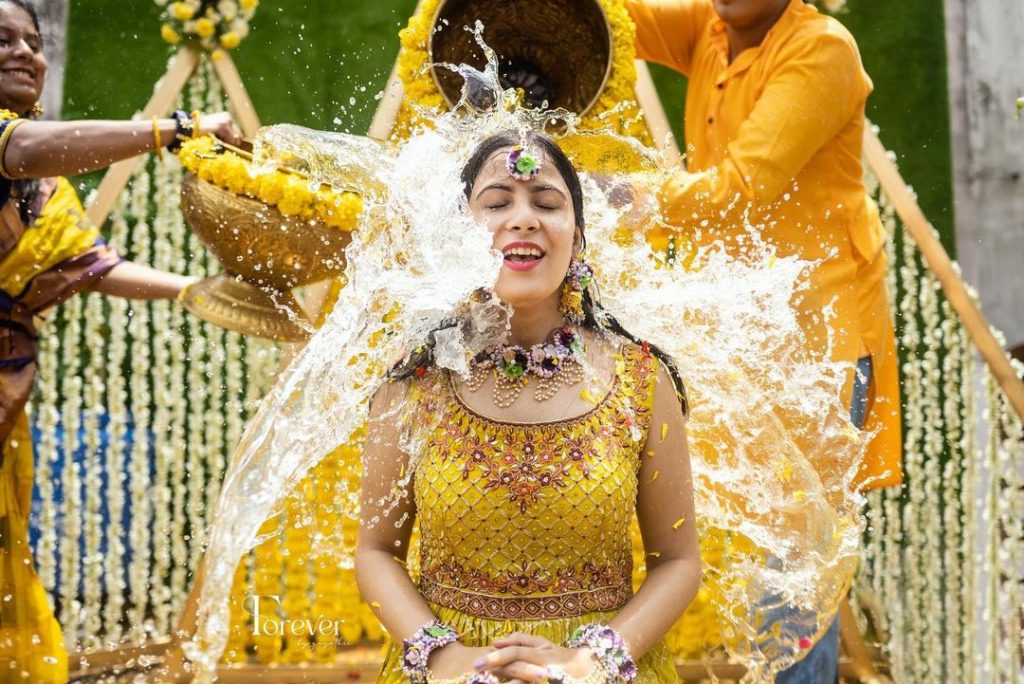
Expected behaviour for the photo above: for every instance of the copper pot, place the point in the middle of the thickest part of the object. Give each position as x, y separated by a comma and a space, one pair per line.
558, 51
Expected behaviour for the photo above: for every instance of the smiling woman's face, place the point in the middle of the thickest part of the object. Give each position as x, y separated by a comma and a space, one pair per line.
534, 227
22, 65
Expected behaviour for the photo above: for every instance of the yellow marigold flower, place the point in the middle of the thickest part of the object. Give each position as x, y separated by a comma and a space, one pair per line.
269, 189
237, 182
169, 34
205, 28
230, 40
290, 205
181, 11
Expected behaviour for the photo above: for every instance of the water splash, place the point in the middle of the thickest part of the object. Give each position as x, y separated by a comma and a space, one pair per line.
772, 451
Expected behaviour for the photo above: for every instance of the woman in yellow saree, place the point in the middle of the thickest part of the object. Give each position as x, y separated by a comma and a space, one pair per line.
48, 252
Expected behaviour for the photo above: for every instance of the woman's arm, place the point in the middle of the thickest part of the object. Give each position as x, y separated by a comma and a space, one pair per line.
135, 281
39, 149
668, 527
387, 514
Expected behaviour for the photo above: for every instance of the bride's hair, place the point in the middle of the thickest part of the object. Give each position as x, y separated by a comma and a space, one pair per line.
595, 318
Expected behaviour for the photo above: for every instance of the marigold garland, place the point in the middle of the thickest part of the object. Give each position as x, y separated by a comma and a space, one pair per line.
213, 24
288, 193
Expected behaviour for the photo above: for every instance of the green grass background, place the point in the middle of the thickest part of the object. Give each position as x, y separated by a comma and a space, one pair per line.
320, 62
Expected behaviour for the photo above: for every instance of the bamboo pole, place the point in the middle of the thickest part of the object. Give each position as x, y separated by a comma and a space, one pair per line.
387, 110
945, 270
657, 122
167, 89
861, 662
241, 105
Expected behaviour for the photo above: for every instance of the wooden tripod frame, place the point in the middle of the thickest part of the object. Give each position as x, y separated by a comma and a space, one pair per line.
165, 94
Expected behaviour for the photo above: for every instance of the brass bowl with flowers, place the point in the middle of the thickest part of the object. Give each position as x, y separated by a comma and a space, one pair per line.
557, 52
270, 232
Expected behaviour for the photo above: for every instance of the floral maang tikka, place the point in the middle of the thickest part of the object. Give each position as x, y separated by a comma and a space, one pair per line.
522, 164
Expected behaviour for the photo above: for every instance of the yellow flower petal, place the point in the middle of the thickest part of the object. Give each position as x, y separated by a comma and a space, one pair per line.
169, 34
181, 11
678, 523
205, 28
230, 40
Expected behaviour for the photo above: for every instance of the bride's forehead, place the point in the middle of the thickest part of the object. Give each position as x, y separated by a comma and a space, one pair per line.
496, 168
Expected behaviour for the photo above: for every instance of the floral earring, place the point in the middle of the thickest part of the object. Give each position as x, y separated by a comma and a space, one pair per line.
577, 280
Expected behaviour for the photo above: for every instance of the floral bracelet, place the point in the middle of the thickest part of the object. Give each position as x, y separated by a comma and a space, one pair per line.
609, 648
416, 650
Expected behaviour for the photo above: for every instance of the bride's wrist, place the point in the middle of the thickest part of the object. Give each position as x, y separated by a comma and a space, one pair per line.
582, 663
441, 655
418, 649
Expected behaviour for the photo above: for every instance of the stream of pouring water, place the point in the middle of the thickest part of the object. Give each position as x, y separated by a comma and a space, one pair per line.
772, 450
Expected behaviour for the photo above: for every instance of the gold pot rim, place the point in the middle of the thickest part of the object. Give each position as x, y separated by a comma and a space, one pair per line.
609, 61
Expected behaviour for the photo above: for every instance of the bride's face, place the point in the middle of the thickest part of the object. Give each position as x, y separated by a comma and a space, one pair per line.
534, 226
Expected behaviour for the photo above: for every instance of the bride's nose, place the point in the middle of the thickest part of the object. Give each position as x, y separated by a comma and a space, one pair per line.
523, 220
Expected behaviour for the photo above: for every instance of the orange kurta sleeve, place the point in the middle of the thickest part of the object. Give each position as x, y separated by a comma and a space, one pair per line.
816, 90
667, 30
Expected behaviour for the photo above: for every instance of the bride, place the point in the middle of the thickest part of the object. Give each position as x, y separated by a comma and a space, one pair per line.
526, 481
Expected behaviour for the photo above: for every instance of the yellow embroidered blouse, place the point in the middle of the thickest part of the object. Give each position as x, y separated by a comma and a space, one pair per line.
526, 527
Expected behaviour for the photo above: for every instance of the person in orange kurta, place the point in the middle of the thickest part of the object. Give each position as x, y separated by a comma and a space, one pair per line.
774, 129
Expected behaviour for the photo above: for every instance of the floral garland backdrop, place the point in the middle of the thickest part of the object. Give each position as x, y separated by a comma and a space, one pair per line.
212, 24
942, 578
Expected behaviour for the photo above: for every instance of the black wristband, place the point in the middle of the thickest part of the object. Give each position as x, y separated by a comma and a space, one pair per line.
183, 128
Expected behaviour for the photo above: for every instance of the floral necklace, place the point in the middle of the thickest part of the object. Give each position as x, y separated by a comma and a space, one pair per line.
557, 362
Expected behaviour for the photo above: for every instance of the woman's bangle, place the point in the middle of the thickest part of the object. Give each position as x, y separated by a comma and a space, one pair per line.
182, 129
5, 139
610, 650
416, 650
157, 144
195, 124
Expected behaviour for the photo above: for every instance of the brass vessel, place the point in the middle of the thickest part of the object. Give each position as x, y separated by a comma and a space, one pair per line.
556, 51
264, 253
